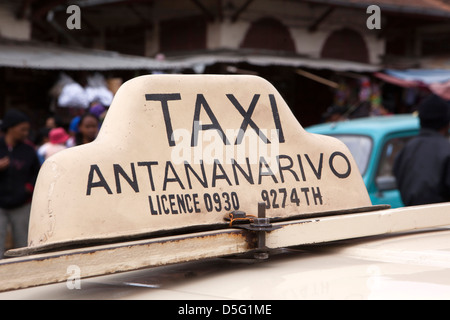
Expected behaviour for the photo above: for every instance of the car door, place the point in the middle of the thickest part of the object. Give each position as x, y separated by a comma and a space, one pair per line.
384, 188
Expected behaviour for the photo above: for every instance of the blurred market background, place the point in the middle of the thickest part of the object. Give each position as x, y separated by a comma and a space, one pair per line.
320, 54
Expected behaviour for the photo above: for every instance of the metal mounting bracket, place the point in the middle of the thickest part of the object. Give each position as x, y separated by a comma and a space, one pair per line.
259, 225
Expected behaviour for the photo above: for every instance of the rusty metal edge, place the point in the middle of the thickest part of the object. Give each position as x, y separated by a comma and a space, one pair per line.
66, 245
47, 268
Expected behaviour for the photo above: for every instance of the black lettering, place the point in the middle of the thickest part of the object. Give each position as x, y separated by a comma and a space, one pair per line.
196, 202
273, 193
317, 172
118, 170
100, 183
164, 198
181, 203
269, 171
152, 210
148, 164
265, 197
159, 204
294, 197
226, 197
337, 174
214, 125
203, 182
188, 200
235, 200
163, 98
283, 191
305, 191
172, 204
208, 202
216, 198
287, 167
301, 167
276, 118
316, 195
215, 176
175, 179
247, 175
247, 118
184, 203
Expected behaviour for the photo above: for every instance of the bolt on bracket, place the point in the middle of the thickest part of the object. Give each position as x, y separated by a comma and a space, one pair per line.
259, 225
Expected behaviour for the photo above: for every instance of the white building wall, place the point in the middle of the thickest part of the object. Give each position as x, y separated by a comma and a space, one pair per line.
226, 34
297, 17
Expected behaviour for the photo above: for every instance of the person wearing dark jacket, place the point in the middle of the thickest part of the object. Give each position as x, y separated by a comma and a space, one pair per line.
422, 168
19, 166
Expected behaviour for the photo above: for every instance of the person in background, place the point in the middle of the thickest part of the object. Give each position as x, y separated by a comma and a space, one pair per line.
19, 167
73, 130
96, 109
99, 111
41, 142
422, 168
87, 130
50, 122
57, 142
53, 121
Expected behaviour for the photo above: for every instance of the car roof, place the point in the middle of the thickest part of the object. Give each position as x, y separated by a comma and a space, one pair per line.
372, 126
407, 265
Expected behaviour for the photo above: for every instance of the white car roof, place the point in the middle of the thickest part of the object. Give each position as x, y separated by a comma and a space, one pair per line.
411, 265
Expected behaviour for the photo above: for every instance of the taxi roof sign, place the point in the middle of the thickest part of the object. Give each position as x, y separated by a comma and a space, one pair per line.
179, 151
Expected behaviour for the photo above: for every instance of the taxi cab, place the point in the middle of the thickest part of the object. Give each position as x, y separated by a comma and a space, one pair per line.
207, 187
374, 143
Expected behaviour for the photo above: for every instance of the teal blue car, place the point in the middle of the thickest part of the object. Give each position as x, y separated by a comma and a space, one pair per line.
374, 143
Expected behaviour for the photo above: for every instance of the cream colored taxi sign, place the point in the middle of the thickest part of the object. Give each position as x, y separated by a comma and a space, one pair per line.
178, 151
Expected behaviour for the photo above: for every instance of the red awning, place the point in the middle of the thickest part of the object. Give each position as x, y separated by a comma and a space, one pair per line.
441, 89
397, 81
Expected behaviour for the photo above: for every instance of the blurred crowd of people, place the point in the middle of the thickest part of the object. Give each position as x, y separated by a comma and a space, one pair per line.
55, 136
21, 158
79, 108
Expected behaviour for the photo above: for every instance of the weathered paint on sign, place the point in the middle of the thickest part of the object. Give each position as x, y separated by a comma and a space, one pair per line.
183, 150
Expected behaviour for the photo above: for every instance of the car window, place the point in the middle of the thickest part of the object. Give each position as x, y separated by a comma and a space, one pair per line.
360, 148
390, 151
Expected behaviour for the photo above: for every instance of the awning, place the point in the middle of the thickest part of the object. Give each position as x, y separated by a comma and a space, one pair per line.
50, 57
436, 80
441, 89
268, 59
427, 76
398, 81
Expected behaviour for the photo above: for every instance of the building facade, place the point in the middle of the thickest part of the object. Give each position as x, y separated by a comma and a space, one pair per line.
306, 48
